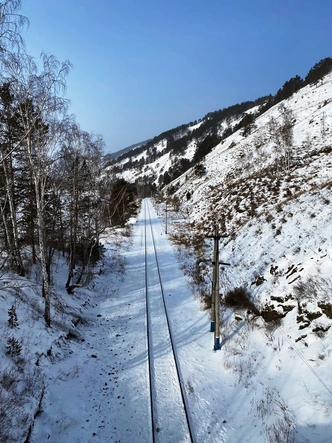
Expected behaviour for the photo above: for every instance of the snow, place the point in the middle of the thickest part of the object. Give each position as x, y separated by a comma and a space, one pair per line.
196, 126
190, 151
252, 110
97, 383
279, 229
161, 145
86, 379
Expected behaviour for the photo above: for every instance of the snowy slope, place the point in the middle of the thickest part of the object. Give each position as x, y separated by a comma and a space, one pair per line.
263, 383
278, 218
274, 201
259, 385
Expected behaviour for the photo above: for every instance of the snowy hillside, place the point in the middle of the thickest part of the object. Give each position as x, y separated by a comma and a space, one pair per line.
166, 155
272, 194
270, 189
264, 193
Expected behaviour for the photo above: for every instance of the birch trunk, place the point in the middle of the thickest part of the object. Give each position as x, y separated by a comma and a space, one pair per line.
43, 250
39, 184
12, 231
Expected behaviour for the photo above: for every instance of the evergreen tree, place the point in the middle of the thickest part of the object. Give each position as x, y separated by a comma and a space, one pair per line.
205, 147
13, 347
247, 123
12, 317
318, 71
289, 88
10, 135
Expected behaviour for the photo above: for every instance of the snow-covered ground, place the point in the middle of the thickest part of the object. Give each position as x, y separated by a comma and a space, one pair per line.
273, 380
86, 378
99, 391
262, 383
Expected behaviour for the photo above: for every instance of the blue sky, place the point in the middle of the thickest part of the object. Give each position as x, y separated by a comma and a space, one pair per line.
142, 67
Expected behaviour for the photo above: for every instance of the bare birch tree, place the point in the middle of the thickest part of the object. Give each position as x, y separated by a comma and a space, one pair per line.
11, 23
41, 106
81, 161
281, 134
286, 132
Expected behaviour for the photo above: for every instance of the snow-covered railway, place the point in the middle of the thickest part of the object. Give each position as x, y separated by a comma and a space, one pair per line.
170, 420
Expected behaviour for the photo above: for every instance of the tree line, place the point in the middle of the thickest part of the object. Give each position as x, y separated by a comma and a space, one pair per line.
51, 195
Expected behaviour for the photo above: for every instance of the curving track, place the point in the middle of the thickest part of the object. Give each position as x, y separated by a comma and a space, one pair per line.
170, 420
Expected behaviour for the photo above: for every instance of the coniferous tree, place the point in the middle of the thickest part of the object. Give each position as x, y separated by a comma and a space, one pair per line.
247, 124
289, 88
13, 347
10, 135
318, 71
12, 317
206, 146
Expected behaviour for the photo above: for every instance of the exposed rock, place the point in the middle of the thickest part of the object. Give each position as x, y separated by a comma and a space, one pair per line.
326, 308
321, 328
304, 325
278, 299
269, 313
313, 315
259, 280
287, 308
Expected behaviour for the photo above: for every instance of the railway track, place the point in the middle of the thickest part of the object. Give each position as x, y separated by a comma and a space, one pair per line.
170, 419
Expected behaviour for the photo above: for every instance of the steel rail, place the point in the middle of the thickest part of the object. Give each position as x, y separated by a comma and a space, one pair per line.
176, 360
148, 332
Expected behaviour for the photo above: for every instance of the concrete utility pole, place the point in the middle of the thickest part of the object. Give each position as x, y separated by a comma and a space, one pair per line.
215, 303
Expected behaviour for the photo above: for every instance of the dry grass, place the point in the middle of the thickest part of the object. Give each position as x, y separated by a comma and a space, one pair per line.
20, 391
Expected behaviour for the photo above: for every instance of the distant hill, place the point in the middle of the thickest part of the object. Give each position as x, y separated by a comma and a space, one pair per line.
167, 156
115, 155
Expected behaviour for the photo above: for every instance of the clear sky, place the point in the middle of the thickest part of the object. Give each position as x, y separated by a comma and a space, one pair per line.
142, 67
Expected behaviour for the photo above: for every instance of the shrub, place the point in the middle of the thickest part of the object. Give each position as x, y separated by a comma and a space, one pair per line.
21, 395
273, 325
12, 317
199, 170
206, 299
240, 297
313, 288
13, 347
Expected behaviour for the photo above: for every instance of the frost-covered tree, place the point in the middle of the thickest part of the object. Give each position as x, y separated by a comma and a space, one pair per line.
11, 23
83, 212
281, 134
40, 108
286, 132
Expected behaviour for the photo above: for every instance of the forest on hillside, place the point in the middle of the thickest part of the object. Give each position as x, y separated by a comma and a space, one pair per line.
208, 132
